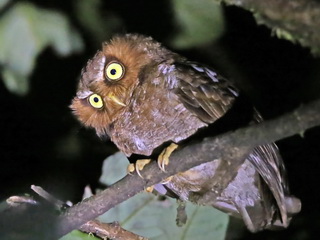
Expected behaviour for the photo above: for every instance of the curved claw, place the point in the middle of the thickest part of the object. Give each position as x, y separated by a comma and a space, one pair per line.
163, 158
138, 166
161, 161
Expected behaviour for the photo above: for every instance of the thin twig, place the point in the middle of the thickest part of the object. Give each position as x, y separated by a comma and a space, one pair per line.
109, 230
47, 196
16, 201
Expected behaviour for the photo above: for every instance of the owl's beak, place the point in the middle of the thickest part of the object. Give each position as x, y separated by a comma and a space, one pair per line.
112, 97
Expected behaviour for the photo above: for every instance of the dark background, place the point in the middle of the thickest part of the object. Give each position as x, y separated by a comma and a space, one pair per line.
43, 144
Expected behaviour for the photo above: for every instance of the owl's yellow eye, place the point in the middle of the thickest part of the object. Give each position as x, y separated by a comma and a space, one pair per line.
95, 101
114, 71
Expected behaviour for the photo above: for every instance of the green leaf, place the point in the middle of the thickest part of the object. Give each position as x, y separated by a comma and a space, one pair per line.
198, 22
3, 3
25, 30
114, 168
145, 215
99, 23
55, 30
77, 235
15, 82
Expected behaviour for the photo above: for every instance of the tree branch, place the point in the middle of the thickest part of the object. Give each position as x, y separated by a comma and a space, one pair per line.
109, 230
231, 146
294, 20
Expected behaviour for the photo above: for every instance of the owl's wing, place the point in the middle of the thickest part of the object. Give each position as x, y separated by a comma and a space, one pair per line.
269, 164
203, 92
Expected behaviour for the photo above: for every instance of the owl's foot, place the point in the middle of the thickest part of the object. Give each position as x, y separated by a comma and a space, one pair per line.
149, 189
163, 158
138, 166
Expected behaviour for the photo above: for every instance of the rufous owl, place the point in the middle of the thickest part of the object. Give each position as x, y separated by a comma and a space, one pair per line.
144, 97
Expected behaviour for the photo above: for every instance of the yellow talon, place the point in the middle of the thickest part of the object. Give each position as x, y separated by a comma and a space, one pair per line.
130, 168
149, 189
163, 158
138, 166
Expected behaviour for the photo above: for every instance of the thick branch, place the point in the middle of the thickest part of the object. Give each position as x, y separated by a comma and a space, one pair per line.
231, 146
295, 20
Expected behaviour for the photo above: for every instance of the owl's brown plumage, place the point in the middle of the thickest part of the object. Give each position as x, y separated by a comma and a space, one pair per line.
142, 95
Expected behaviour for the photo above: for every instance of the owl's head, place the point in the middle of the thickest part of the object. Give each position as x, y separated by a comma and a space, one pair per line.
110, 77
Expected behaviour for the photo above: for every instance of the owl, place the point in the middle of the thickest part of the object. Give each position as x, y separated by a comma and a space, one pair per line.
145, 97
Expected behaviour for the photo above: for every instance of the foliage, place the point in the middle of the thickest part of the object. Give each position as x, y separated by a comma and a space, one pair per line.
198, 22
99, 24
77, 235
25, 31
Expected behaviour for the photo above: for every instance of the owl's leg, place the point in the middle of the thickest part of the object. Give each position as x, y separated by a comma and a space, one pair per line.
137, 166
163, 158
